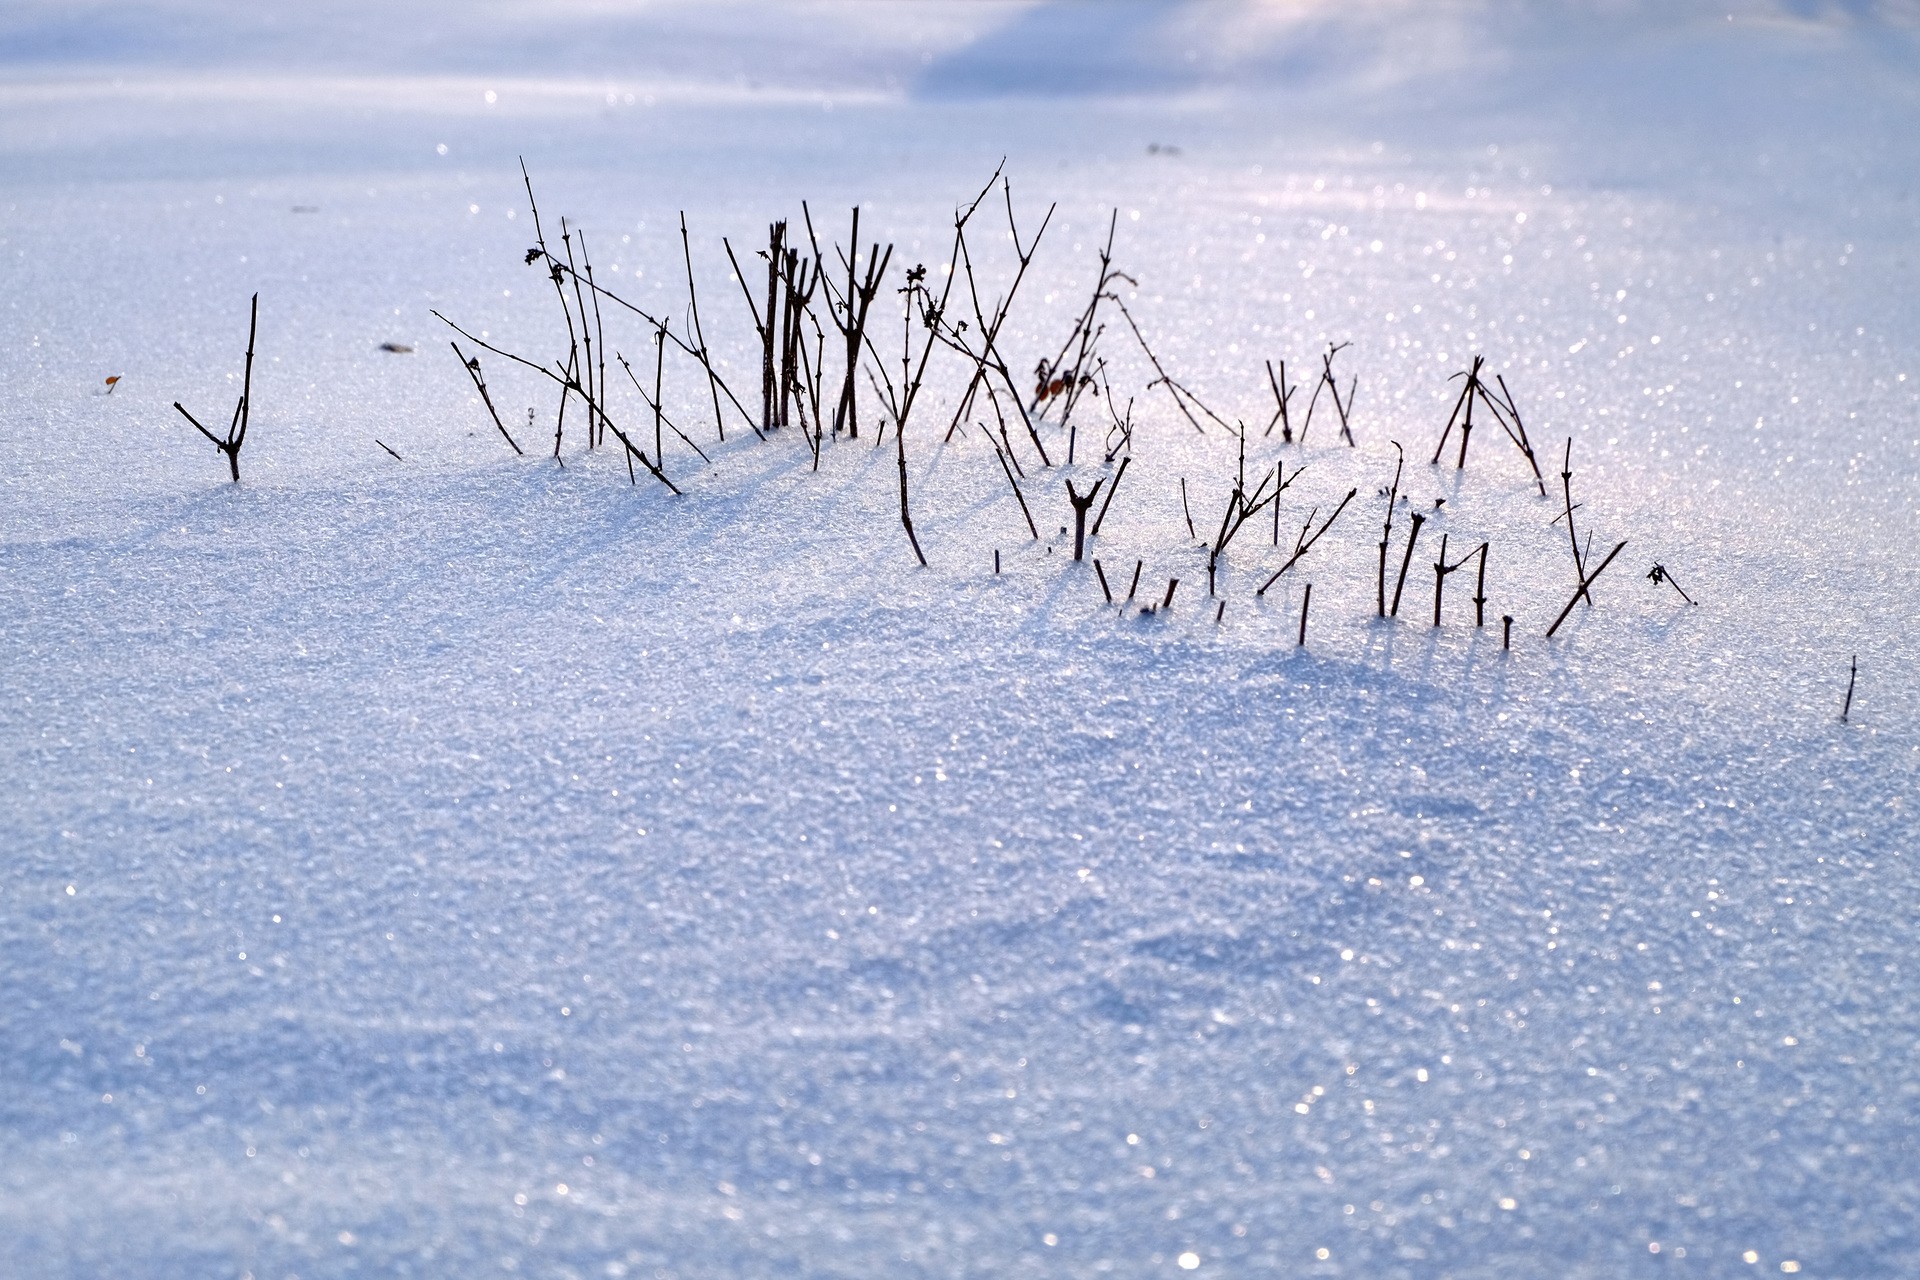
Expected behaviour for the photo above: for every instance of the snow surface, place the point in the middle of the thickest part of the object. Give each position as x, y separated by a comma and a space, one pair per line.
468, 866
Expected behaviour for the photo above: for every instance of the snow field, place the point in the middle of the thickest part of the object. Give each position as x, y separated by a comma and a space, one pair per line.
469, 866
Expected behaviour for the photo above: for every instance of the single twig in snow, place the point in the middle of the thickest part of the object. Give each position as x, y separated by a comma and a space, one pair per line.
1566, 488
1853, 669
1014, 485
242, 411
1480, 591
659, 373
1081, 504
599, 330
1508, 416
1181, 396
1400, 584
1120, 434
906, 516
480, 384
1305, 543
1660, 573
1586, 581
1386, 533
699, 336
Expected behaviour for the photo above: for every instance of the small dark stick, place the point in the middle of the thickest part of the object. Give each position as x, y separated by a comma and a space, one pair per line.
906, 516
1442, 569
1853, 669
699, 334
1519, 432
1186, 509
1659, 573
1466, 427
1386, 533
1407, 560
599, 332
1466, 391
473, 371
1306, 543
1005, 440
1573, 539
1171, 584
1306, 602
1585, 582
1181, 396
1099, 519
1506, 631
996, 562
1135, 584
1480, 591
1081, 505
659, 372
383, 444
1102, 575
1032, 528
1220, 613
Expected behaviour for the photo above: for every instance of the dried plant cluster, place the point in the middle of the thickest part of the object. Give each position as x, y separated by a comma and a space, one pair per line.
825, 351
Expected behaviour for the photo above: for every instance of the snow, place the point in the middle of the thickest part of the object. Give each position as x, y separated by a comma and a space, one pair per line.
464, 865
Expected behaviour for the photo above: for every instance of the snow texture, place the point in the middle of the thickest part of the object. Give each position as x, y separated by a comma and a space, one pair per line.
465, 865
